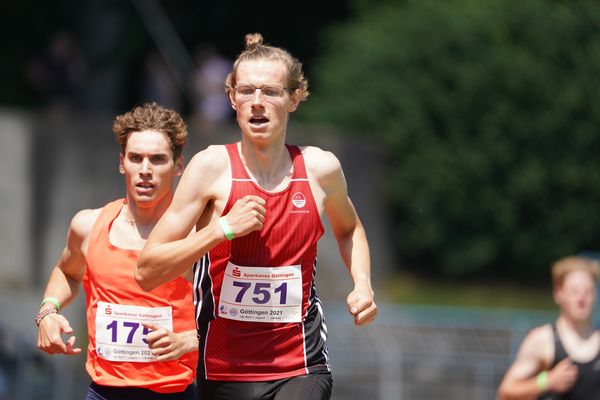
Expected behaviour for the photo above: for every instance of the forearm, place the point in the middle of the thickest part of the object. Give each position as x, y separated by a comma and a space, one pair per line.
354, 250
190, 340
525, 389
62, 287
160, 263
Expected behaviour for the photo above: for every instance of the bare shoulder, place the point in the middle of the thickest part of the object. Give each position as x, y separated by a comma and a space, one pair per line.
83, 221
534, 355
212, 160
540, 335
320, 163
539, 343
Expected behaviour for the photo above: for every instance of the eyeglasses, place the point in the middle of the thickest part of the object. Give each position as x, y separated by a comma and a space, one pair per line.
269, 92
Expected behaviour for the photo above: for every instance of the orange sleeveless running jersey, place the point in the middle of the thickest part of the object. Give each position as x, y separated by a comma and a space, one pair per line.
109, 283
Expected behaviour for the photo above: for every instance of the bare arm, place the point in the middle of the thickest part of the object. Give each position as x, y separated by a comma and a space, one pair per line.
349, 233
535, 353
169, 251
64, 285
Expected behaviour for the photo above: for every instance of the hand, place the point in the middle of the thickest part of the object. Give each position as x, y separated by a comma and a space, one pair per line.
50, 339
166, 345
361, 305
246, 215
562, 377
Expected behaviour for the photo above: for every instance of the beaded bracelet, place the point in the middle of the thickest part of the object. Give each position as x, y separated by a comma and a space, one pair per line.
43, 314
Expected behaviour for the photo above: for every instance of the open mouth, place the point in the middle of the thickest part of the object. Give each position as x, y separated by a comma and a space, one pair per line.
144, 187
258, 121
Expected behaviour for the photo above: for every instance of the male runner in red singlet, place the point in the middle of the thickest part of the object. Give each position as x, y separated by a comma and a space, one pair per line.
142, 345
561, 360
260, 322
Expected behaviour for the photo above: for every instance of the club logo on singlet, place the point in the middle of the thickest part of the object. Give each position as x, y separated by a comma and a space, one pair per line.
298, 200
224, 310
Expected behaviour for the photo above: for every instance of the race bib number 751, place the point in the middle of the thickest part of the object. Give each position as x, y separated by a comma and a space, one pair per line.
262, 294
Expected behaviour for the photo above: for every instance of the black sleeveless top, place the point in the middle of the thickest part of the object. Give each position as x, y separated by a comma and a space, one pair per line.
587, 386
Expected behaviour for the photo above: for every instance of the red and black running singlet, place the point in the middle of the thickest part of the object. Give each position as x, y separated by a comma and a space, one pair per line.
258, 314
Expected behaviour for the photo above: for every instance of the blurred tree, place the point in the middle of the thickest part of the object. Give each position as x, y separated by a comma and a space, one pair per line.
489, 111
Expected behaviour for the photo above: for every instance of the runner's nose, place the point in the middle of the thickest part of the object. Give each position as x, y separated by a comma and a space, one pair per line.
146, 166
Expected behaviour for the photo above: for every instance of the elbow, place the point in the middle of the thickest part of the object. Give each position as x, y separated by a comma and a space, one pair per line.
344, 236
142, 279
502, 393
143, 282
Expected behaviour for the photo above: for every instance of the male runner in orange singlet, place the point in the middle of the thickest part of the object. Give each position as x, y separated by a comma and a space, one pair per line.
142, 345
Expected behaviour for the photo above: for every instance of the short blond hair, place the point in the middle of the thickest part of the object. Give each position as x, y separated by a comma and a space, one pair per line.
561, 268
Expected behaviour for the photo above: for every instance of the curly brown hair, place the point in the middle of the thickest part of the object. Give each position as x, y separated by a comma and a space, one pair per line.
256, 50
151, 116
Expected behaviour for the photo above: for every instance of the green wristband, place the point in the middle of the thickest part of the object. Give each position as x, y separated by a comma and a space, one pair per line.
542, 380
52, 300
226, 228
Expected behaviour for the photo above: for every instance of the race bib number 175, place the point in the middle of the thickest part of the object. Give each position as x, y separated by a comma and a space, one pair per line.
120, 335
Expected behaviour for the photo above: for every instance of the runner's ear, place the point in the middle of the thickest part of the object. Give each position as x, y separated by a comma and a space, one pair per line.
295, 99
179, 166
121, 167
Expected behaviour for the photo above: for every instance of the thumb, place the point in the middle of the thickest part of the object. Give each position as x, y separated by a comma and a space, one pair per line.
352, 304
70, 347
566, 361
65, 326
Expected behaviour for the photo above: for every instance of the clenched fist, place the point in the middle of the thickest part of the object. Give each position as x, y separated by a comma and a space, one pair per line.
246, 215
